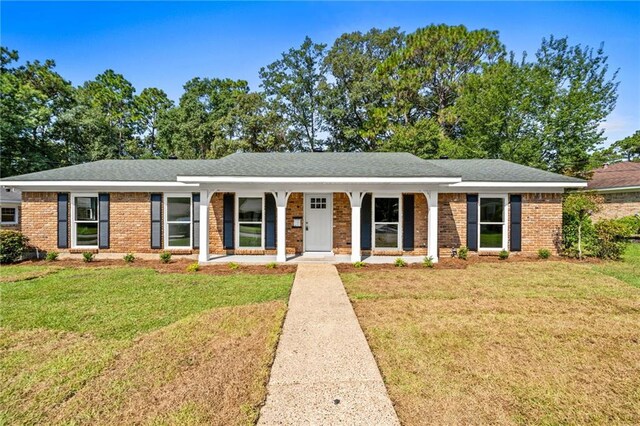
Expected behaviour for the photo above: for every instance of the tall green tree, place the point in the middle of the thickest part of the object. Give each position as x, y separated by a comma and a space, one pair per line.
579, 93
108, 108
203, 125
149, 107
357, 91
32, 96
295, 86
629, 147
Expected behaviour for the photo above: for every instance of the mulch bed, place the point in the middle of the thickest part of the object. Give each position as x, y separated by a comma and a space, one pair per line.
174, 267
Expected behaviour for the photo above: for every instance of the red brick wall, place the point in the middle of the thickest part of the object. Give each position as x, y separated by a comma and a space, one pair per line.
619, 204
130, 223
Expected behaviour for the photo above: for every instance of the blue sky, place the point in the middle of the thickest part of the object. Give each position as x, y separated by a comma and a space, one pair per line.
165, 44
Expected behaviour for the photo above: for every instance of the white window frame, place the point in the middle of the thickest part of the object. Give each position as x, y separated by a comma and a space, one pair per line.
505, 221
74, 230
16, 212
237, 219
373, 221
166, 222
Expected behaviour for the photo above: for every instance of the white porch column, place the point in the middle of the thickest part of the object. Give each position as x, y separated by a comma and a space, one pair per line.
356, 204
281, 228
205, 200
432, 224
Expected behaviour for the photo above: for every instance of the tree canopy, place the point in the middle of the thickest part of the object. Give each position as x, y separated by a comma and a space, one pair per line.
439, 91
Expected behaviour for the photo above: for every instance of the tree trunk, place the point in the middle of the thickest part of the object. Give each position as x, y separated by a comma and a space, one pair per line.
580, 240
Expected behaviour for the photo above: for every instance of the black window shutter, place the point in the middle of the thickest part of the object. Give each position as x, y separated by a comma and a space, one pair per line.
228, 202
103, 221
156, 221
195, 200
270, 221
515, 236
365, 223
63, 220
407, 221
472, 221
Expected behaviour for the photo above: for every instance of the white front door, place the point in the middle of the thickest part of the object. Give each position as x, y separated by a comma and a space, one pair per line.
317, 218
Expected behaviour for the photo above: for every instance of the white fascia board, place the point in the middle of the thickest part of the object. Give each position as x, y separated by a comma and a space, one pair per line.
528, 185
614, 189
318, 180
97, 186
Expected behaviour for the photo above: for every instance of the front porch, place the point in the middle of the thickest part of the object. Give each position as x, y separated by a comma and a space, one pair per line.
320, 224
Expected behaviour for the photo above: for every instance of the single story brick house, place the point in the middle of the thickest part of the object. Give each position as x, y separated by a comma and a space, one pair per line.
619, 185
285, 204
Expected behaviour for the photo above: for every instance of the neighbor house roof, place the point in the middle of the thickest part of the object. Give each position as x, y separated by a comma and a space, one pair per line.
294, 165
618, 175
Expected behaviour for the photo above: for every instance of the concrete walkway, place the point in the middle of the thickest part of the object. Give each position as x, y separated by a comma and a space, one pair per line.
324, 371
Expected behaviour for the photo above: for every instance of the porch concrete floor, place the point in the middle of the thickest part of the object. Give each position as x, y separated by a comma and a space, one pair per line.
297, 259
324, 371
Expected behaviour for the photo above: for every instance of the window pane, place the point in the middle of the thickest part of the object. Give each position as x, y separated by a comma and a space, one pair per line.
250, 235
8, 214
491, 236
491, 209
86, 208
179, 235
387, 209
179, 209
87, 234
250, 209
386, 236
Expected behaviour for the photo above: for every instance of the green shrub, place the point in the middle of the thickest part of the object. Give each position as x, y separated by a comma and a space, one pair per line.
503, 254
51, 256
359, 264
463, 252
610, 238
544, 253
165, 257
400, 263
272, 265
129, 258
193, 267
12, 245
233, 265
428, 261
632, 222
87, 256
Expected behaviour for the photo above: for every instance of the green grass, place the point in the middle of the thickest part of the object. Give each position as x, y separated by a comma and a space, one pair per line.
627, 270
132, 345
123, 302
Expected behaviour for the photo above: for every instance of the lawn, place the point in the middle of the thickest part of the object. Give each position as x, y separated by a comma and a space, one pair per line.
132, 345
506, 343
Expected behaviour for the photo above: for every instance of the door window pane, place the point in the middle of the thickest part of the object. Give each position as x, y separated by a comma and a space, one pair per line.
179, 209
491, 236
87, 234
491, 209
386, 209
179, 235
250, 209
86, 208
386, 236
250, 234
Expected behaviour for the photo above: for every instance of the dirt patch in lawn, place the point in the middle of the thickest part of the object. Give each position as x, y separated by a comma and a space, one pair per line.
210, 368
536, 343
173, 267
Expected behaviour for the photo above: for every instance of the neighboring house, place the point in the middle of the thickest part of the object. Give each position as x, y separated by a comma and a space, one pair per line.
619, 184
10, 200
283, 204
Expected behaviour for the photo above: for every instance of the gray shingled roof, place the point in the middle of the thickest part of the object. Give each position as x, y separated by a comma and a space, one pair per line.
326, 164
488, 170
